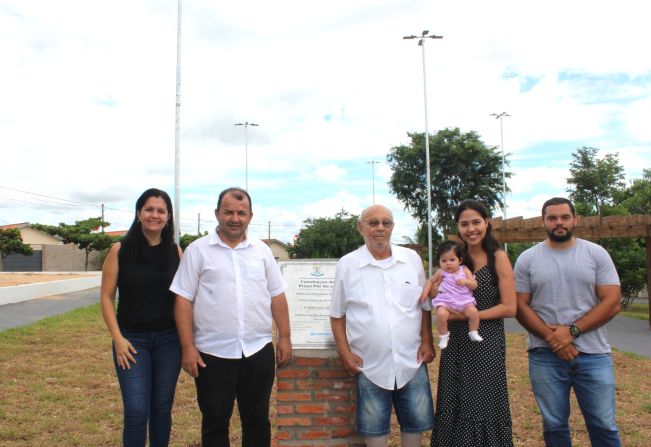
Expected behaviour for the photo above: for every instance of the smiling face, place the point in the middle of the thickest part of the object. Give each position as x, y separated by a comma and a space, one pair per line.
233, 216
153, 215
472, 227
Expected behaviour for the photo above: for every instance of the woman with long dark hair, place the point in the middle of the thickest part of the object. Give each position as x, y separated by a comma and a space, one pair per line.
472, 405
146, 349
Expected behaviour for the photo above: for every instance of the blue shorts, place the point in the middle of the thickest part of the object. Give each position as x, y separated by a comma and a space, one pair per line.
413, 405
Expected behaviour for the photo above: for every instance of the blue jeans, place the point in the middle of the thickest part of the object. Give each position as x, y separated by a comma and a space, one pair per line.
593, 380
412, 402
148, 387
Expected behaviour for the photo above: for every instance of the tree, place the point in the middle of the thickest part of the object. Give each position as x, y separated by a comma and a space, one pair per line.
82, 234
461, 167
637, 197
594, 182
327, 237
11, 242
187, 239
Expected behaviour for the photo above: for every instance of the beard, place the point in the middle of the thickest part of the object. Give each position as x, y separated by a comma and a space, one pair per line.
560, 237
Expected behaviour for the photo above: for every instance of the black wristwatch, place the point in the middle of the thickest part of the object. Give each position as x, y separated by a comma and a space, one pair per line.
575, 331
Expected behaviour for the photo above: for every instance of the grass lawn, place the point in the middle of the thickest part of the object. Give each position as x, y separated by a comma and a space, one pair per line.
58, 387
637, 310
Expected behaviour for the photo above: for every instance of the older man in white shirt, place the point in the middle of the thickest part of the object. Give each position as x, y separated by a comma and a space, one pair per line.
229, 287
383, 335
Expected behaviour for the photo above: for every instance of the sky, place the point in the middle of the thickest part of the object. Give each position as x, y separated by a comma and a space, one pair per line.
88, 105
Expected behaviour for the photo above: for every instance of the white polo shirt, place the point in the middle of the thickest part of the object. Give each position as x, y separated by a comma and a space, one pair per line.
231, 290
383, 318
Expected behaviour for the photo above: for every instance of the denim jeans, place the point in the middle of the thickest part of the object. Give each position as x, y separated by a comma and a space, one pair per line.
148, 387
412, 402
221, 382
593, 380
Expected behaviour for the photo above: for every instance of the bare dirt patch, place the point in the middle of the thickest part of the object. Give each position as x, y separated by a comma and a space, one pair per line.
17, 279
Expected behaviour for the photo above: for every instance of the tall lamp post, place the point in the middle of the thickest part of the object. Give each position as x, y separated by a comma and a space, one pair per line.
177, 134
373, 163
499, 116
421, 41
246, 125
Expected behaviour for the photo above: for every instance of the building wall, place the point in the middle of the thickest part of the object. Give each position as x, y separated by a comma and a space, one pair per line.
278, 251
68, 258
37, 239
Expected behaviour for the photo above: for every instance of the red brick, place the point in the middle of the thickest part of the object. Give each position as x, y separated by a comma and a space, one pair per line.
293, 373
285, 409
286, 397
342, 408
314, 434
308, 361
283, 435
332, 421
285, 385
295, 421
343, 385
311, 408
332, 373
336, 396
343, 432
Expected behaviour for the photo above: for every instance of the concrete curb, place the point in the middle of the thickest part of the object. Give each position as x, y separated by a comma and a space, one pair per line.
24, 292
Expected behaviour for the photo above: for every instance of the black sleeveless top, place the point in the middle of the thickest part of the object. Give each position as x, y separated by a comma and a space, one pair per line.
145, 302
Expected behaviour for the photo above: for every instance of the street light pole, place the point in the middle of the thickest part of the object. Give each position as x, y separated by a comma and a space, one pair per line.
500, 116
373, 163
177, 134
421, 41
246, 125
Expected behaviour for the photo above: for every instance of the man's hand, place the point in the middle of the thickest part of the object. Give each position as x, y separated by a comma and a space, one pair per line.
567, 353
352, 363
426, 352
560, 337
283, 351
431, 287
191, 361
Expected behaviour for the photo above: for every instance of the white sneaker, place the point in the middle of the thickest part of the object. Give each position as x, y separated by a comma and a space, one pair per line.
474, 336
443, 341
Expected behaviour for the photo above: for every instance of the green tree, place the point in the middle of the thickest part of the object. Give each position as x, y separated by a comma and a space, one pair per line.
637, 197
11, 242
83, 234
327, 237
461, 167
187, 239
594, 182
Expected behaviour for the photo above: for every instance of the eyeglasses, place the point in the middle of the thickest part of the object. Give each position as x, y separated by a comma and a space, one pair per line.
376, 223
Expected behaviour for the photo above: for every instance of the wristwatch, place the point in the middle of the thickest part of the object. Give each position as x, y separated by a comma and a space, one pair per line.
575, 331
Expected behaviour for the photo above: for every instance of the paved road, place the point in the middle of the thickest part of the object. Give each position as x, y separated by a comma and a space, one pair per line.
624, 334
19, 314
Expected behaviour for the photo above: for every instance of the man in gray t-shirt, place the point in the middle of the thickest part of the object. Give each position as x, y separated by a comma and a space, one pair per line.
567, 290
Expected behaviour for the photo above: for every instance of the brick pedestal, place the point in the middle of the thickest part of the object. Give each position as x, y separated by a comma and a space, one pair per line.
316, 402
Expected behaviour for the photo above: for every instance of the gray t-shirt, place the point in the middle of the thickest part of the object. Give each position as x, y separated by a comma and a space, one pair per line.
562, 286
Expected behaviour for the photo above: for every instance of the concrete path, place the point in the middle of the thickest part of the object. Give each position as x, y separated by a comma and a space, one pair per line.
625, 334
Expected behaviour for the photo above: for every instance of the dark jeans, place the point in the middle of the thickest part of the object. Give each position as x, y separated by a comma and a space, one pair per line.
249, 380
148, 387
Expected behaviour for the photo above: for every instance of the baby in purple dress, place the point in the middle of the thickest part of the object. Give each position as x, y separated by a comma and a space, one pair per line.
456, 284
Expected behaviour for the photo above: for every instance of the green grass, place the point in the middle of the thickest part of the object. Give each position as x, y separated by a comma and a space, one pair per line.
58, 387
639, 311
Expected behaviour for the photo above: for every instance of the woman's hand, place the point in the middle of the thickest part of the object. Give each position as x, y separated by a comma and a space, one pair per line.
124, 351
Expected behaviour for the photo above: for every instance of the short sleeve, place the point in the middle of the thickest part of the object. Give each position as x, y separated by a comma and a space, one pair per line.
606, 271
186, 279
338, 303
521, 273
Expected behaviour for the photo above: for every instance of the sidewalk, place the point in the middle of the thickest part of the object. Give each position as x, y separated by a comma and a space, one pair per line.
625, 334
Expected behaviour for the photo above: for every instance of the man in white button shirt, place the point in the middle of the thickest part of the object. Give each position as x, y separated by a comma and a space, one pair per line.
383, 336
229, 287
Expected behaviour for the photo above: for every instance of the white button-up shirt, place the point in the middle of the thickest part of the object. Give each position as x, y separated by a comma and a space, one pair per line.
383, 318
231, 290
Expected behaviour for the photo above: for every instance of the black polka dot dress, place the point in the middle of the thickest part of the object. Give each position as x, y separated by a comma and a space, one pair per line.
472, 404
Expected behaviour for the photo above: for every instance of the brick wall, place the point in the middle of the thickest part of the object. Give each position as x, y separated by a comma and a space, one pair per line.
315, 401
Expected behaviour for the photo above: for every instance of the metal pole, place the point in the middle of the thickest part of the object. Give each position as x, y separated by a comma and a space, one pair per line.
177, 134
246, 125
373, 163
500, 116
421, 42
